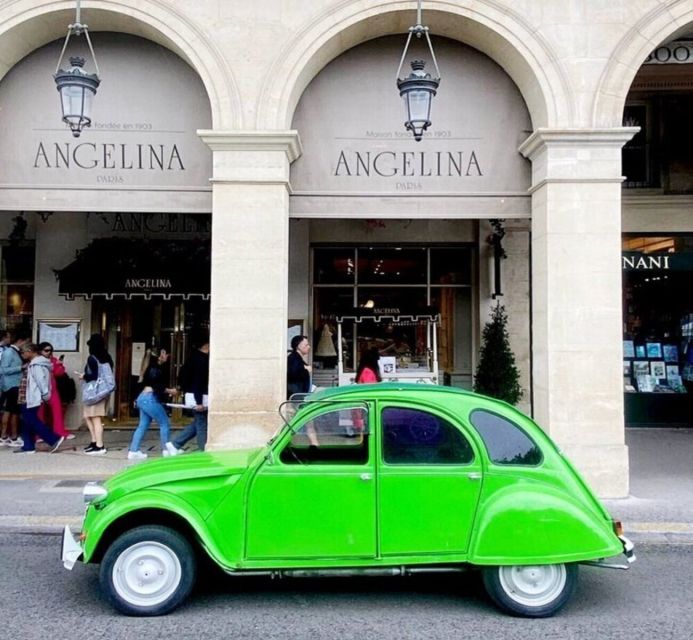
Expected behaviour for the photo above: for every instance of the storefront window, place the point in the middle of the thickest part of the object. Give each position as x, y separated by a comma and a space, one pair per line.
17, 286
658, 328
394, 277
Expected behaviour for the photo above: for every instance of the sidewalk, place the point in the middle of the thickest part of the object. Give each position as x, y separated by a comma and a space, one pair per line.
658, 510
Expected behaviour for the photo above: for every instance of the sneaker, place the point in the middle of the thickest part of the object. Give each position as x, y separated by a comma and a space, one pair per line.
17, 442
172, 449
27, 453
136, 455
97, 451
89, 447
56, 446
4, 441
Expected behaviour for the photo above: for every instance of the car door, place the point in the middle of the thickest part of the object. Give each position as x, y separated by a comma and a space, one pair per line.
429, 478
316, 497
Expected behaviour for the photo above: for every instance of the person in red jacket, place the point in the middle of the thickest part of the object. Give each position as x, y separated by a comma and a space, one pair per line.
52, 412
368, 369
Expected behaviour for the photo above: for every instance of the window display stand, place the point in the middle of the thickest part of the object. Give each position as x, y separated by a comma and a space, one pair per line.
396, 368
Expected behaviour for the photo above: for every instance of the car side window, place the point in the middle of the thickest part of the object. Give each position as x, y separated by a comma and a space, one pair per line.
412, 436
335, 437
505, 441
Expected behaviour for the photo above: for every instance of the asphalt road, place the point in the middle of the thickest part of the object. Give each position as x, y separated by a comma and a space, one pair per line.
39, 599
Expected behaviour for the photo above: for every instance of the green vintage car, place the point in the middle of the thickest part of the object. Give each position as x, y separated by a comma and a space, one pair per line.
388, 479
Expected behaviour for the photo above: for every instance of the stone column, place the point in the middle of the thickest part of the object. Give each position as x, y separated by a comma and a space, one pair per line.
250, 236
576, 298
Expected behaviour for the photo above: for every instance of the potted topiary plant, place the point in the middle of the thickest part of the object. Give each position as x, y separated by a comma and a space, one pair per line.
497, 374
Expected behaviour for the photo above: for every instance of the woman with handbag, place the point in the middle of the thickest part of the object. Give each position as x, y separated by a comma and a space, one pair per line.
94, 413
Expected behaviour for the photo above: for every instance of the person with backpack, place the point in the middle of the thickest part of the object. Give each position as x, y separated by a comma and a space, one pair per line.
34, 390
10, 377
95, 413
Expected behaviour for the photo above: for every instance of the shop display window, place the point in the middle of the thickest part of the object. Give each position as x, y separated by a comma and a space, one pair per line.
657, 314
17, 285
411, 277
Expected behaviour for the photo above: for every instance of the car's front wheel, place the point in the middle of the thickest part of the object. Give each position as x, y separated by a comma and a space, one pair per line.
148, 571
533, 591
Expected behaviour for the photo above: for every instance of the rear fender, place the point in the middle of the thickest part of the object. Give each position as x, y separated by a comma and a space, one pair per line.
535, 523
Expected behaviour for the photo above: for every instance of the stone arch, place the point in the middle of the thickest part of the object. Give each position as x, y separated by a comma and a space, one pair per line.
665, 22
498, 32
26, 25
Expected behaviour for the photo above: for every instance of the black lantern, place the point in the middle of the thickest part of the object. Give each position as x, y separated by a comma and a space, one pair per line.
77, 88
419, 87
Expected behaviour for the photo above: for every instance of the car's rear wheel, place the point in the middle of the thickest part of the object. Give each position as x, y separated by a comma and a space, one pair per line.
533, 591
148, 571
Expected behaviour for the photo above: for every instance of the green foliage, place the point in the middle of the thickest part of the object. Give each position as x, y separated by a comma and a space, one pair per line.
497, 374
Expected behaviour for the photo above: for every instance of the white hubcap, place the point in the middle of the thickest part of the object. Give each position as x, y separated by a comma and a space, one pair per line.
533, 586
146, 574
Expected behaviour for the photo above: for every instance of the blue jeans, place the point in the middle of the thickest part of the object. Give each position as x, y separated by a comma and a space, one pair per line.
150, 409
32, 427
198, 427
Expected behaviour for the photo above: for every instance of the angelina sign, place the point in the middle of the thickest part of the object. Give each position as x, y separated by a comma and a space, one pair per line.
143, 137
350, 120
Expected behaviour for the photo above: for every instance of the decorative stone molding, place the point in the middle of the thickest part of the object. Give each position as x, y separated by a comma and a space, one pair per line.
287, 141
541, 138
26, 25
495, 29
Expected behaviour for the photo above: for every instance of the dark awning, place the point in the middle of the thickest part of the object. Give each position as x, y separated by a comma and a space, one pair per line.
388, 314
136, 268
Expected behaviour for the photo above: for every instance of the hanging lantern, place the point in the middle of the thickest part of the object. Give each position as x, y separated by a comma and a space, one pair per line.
419, 87
77, 88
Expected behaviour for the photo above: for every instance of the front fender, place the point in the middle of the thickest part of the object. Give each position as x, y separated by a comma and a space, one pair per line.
98, 522
535, 523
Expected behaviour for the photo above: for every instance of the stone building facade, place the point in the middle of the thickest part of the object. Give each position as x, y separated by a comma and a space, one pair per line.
255, 127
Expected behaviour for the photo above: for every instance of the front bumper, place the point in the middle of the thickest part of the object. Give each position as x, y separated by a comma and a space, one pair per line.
71, 549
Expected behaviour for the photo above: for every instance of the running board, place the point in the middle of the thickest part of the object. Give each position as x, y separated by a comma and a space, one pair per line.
346, 572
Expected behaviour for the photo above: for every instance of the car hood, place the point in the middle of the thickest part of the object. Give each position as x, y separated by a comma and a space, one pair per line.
155, 473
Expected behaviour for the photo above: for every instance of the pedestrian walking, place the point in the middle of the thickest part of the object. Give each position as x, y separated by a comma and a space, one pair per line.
53, 412
150, 402
195, 381
34, 389
11, 364
95, 413
297, 369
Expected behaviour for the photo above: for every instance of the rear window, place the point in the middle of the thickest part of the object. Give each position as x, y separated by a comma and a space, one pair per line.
505, 442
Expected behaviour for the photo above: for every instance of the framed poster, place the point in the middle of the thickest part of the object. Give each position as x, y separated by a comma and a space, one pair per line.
626, 367
671, 353
628, 349
657, 369
62, 334
672, 370
654, 349
641, 368
639, 350
388, 365
646, 384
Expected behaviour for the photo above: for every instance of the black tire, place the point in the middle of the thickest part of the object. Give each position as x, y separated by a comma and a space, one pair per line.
531, 591
148, 571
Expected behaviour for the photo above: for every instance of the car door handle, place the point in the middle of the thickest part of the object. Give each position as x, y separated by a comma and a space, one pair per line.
366, 477
475, 475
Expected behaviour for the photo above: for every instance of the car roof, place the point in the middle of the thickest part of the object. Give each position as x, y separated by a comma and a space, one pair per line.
387, 388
